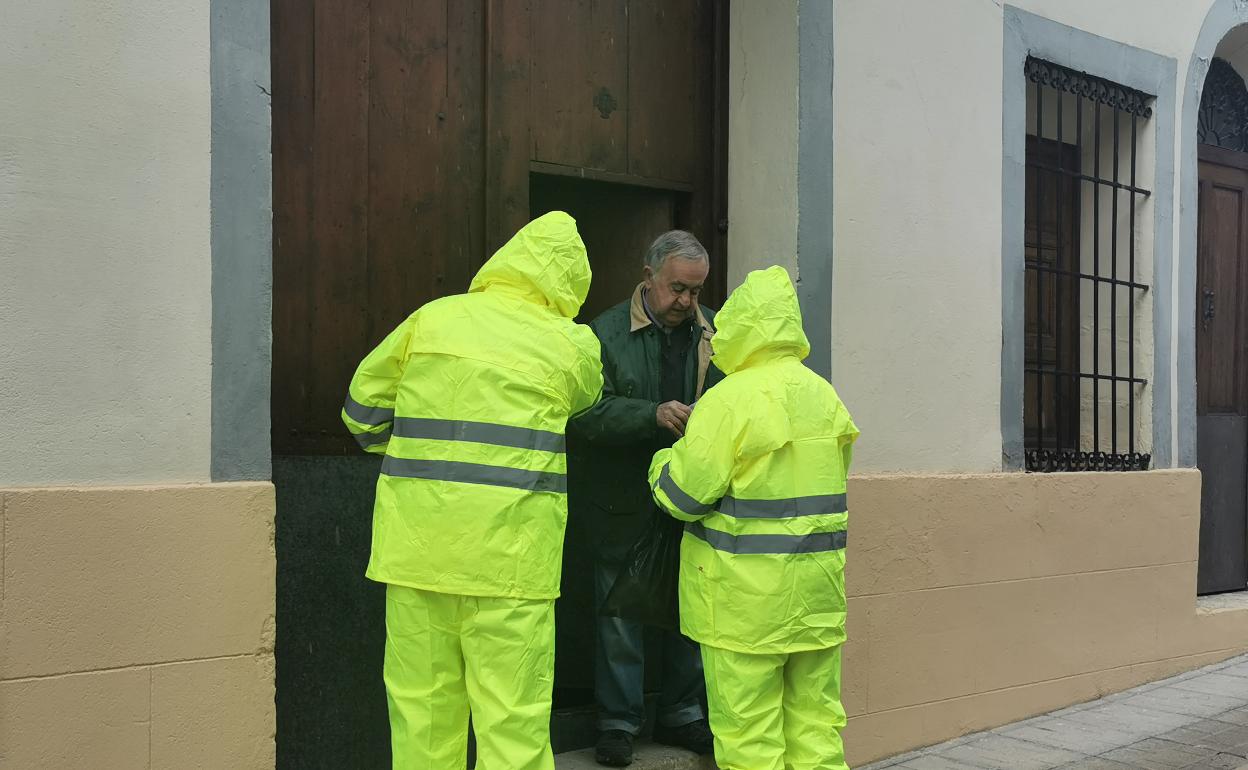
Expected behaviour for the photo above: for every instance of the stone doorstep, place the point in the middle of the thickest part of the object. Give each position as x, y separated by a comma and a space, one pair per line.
648, 756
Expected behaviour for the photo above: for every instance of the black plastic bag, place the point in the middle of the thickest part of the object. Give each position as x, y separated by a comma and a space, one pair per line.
645, 590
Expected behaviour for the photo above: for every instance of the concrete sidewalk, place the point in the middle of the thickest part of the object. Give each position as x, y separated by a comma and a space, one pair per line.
1193, 721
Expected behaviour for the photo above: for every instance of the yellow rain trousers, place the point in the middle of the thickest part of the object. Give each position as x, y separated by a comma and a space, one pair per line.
775, 712
444, 652
467, 400
760, 477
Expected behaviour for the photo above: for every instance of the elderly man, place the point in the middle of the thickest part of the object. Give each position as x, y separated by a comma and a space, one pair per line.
760, 475
468, 399
656, 363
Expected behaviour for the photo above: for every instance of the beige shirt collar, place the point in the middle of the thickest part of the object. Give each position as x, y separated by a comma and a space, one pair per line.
640, 319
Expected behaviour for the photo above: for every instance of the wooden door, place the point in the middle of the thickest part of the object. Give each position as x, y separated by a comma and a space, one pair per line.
405, 136
411, 138
1222, 403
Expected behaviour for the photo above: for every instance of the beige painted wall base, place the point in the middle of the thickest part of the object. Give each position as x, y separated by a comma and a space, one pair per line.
138, 622
976, 601
874, 736
137, 627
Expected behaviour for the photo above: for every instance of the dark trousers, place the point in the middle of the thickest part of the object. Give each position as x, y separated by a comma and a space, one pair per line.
619, 669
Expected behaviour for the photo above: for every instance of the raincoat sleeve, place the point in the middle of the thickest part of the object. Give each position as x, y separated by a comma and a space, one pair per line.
846, 431
616, 420
689, 479
369, 409
586, 383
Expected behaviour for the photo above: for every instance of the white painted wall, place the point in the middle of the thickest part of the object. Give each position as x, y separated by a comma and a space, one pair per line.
917, 215
1162, 26
1234, 49
105, 315
917, 232
762, 138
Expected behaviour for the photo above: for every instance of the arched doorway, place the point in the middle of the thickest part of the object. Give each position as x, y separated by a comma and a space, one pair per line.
1222, 321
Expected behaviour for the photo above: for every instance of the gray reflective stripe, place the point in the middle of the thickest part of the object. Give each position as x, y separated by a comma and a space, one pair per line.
368, 415
479, 433
782, 509
815, 542
678, 496
368, 439
472, 473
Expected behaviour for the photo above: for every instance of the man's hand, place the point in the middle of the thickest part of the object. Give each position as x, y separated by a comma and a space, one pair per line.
673, 415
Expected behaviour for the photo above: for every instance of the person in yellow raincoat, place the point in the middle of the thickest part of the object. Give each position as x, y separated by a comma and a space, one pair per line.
760, 476
467, 400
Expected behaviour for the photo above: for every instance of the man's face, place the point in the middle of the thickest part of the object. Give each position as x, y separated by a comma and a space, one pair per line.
672, 292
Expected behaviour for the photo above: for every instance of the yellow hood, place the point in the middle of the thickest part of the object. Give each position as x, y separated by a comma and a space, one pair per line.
760, 322
544, 262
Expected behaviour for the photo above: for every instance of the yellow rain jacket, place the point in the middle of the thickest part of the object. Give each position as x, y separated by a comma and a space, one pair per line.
468, 399
760, 475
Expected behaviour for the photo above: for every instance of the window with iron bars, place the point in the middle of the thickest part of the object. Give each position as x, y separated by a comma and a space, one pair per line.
1084, 379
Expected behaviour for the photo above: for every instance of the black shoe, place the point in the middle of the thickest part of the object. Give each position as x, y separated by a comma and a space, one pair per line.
615, 749
695, 736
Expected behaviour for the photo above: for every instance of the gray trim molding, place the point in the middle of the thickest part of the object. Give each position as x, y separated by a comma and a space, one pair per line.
1027, 34
242, 239
1223, 16
814, 179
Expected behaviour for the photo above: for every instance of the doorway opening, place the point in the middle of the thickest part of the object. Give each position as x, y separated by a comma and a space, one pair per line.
617, 221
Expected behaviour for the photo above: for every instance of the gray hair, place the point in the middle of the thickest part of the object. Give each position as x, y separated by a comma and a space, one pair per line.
674, 243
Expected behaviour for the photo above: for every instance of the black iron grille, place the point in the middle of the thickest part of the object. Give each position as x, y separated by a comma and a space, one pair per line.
1081, 386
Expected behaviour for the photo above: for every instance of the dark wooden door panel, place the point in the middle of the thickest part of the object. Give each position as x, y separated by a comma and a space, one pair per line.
1220, 273
292, 66
1223, 451
1222, 404
463, 141
409, 55
508, 119
404, 132
580, 83
669, 88
336, 311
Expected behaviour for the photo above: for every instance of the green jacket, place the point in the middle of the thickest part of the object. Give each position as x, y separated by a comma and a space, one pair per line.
610, 446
